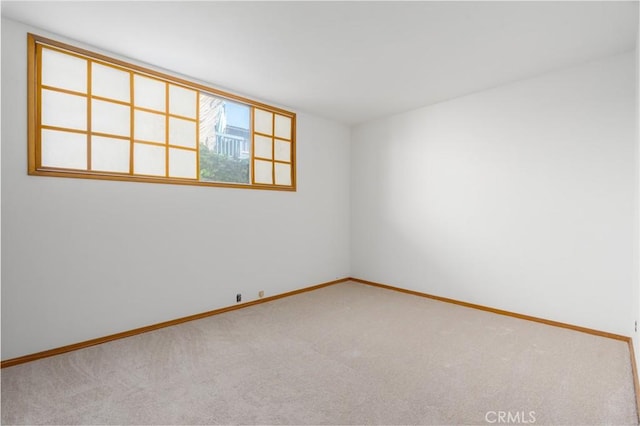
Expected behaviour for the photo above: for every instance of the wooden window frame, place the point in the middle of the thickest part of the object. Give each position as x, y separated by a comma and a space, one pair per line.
35, 127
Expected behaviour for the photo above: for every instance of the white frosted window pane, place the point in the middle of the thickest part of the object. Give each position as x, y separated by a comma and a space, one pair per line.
64, 149
149, 160
182, 132
108, 117
149, 126
109, 154
149, 93
283, 174
182, 101
182, 163
263, 122
110, 82
283, 127
64, 71
262, 146
283, 150
64, 110
263, 172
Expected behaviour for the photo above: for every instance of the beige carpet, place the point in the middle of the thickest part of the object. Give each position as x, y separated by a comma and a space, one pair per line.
345, 354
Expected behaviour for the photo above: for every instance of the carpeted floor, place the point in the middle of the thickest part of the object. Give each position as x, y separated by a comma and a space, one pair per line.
344, 354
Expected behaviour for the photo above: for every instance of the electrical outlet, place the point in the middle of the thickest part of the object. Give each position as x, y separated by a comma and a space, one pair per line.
261, 293
238, 297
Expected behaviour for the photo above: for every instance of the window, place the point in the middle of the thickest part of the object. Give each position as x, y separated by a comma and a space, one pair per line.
95, 117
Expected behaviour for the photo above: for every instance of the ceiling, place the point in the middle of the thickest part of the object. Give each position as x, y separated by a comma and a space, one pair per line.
347, 61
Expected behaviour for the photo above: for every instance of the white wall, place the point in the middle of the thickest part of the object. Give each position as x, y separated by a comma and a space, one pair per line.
84, 258
520, 197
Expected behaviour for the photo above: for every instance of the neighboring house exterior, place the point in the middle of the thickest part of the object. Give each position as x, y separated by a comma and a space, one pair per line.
225, 127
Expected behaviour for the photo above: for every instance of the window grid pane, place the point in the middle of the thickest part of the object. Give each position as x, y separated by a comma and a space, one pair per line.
64, 110
110, 118
64, 71
149, 159
110, 82
272, 145
110, 154
149, 93
64, 149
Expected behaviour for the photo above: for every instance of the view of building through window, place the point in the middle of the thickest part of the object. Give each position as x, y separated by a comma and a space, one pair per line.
225, 144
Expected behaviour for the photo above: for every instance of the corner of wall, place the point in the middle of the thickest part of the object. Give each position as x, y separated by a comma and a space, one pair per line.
636, 334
